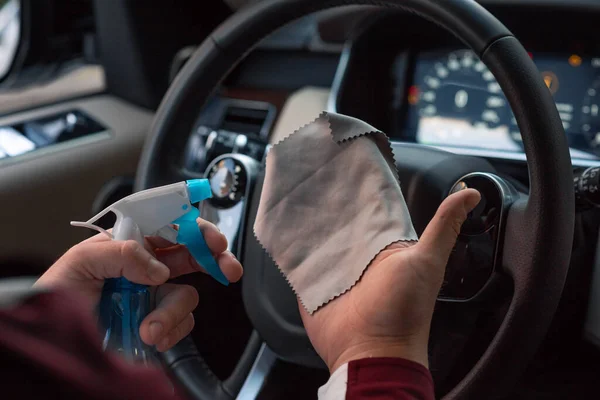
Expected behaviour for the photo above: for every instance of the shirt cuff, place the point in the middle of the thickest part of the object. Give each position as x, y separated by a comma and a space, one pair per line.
379, 378
335, 388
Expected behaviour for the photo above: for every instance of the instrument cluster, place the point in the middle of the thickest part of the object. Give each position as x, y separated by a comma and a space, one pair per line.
455, 102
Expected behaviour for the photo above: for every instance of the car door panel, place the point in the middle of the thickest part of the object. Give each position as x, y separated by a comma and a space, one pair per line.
42, 191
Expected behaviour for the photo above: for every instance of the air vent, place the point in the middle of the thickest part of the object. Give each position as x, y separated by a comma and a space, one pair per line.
247, 117
244, 120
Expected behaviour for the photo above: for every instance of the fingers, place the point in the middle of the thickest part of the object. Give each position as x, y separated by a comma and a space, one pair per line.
172, 319
216, 241
181, 331
177, 257
181, 262
156, 242
100, 237
441, 233
231, 267
114, 259
152, 242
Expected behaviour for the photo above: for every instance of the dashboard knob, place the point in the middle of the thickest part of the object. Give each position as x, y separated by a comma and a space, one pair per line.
228, 178
587, 187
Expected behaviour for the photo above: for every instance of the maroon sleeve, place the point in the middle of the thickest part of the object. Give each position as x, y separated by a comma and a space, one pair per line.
50, 348
388, 378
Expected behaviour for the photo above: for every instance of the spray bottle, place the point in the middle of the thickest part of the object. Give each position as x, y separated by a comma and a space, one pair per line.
125, 304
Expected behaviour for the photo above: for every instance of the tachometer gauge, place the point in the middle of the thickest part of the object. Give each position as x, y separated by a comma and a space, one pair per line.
461, 87
590, 116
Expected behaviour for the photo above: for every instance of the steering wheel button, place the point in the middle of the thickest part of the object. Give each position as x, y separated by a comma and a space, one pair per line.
458, 187
486, 214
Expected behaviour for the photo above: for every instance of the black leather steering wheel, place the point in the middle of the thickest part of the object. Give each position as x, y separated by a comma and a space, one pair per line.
538, 229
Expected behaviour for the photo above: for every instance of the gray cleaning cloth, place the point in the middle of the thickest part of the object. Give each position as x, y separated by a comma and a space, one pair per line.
331, 201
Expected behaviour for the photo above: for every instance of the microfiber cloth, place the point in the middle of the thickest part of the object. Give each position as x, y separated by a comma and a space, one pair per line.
331, 201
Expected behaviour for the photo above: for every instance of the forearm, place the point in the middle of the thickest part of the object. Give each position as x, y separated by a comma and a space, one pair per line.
50, 339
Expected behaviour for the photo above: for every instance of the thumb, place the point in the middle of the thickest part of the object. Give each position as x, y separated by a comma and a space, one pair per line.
440, 235
115, 259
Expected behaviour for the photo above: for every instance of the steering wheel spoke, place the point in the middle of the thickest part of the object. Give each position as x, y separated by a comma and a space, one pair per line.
522, 248
517, 244
473, 270
189, 368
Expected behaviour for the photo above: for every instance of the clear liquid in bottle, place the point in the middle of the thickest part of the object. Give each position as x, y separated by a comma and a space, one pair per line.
123, 307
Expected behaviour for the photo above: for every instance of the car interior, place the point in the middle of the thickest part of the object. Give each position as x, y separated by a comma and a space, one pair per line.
99, 99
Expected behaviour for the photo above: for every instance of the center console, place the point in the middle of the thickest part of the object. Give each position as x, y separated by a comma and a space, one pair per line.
227, 145
229, 126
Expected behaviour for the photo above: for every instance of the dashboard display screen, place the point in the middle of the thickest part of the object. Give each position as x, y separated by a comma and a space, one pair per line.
455, 101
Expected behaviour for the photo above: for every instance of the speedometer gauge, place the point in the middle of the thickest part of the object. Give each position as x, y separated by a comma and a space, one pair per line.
460, 103
456, 103
462, 87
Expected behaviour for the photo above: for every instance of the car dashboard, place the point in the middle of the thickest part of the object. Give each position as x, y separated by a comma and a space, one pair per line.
422, 86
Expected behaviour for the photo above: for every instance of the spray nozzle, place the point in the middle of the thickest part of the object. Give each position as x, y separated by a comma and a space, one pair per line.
199, 189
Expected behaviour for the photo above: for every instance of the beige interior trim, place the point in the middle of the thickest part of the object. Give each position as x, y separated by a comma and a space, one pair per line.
41, 193
85, 80
302, 107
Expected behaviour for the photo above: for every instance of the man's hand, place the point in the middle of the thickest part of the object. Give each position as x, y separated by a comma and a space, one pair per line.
85, 266
388, 312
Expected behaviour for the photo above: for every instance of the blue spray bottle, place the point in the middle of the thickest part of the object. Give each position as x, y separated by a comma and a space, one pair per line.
151, 212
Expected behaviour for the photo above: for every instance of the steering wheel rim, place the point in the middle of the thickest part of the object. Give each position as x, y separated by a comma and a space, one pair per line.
539, 229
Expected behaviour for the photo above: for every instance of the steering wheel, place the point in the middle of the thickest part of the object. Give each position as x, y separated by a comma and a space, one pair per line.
535, 231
